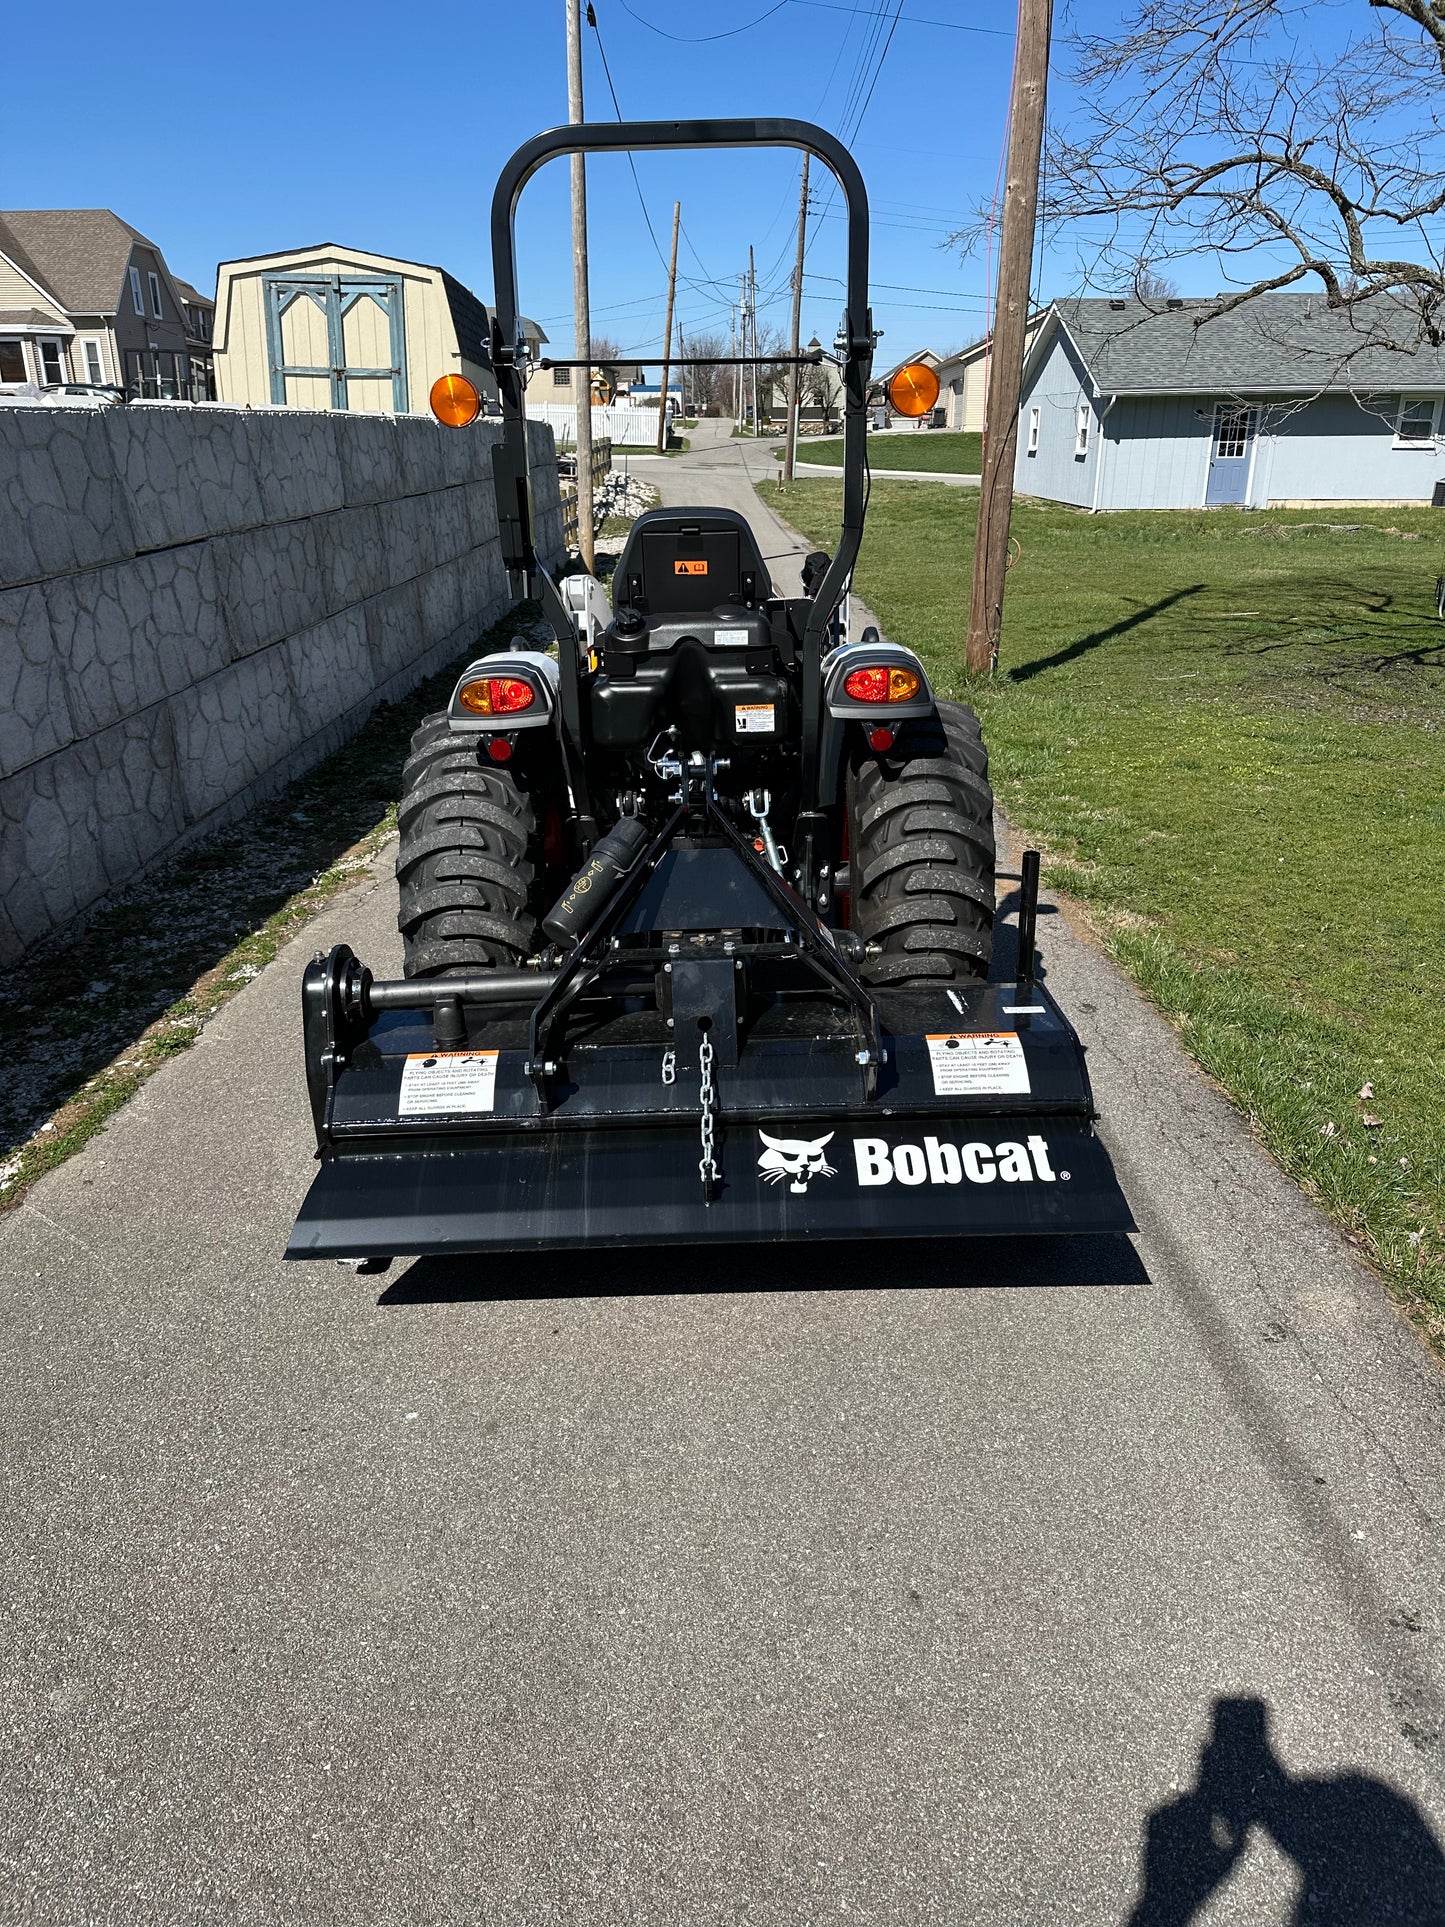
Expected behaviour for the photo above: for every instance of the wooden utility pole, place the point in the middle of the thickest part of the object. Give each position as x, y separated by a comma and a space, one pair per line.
581, 306
667, 332
790, 447
742, 346
753, 330
1010, 331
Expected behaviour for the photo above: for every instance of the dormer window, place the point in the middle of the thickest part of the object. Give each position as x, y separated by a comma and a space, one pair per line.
137, 298
155, 282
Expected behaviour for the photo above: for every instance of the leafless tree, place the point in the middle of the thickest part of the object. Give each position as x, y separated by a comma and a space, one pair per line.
818, 388
1304, 146
711, 386
1151, 287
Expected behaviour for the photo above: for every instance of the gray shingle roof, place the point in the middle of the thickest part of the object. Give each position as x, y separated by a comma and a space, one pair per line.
1276, 343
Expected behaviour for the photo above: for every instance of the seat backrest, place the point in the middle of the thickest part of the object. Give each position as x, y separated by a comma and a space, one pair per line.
680, 560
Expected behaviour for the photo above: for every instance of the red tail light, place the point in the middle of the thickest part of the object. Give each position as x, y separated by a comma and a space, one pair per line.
882, 683
496, 695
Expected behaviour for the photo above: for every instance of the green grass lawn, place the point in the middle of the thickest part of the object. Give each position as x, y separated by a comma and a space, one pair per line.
938, 450
1228, 732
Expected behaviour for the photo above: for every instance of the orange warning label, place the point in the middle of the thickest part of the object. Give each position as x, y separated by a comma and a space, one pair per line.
689, 568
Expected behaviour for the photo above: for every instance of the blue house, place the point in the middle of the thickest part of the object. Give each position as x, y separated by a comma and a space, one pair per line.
1281, 403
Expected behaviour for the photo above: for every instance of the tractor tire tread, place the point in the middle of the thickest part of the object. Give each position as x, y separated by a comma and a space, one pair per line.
922, 855
467, 859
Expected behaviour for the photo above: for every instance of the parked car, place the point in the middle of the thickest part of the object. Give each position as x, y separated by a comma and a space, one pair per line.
64, 394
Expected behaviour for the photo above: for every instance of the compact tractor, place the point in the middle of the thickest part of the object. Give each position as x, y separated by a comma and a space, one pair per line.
697, 905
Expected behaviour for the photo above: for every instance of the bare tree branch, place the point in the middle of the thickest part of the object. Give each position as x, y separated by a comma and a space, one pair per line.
1296, 144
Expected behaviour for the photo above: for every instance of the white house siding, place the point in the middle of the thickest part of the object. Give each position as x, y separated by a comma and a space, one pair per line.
1158, 452
1058, 389
1335, 449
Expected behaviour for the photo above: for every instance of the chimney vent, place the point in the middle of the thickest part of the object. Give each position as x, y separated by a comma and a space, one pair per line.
1118, 306
1174, 301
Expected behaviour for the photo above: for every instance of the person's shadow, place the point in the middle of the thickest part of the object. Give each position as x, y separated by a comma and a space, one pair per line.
1366, 1854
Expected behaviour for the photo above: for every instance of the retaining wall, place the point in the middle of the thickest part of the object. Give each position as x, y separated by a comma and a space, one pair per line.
196, 604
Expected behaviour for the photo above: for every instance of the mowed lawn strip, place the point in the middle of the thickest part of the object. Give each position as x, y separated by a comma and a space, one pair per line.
939, 450
1228, 732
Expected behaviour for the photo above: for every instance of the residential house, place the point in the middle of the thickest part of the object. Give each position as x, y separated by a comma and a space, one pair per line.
339, 327
85, 297
1283, 402
963, 381
200, 314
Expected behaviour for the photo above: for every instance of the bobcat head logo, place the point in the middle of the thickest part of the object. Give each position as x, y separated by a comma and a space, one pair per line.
798, 1159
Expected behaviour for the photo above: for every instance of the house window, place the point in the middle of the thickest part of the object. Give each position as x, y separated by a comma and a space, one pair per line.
1081, 429
137, 299
561, 377
1416, 424
155, 282
1232, 429
1033, 447
94, 366
12, 361
52, 364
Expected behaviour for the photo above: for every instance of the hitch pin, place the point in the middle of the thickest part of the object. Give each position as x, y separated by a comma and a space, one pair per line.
759, 802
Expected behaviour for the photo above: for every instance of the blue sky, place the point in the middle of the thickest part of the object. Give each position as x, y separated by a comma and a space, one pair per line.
226, 134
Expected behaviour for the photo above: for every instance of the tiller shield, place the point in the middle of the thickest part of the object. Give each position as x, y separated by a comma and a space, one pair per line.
705, 1064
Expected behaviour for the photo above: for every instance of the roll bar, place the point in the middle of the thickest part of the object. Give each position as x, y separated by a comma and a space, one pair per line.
509, 356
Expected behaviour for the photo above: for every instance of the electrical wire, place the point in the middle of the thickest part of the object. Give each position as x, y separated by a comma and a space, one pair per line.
909, 19
687, 280
701, 39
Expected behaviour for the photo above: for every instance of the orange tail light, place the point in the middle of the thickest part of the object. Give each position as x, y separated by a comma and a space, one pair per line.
496, 695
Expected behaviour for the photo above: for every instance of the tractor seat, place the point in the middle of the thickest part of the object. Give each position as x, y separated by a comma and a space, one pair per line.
678, 561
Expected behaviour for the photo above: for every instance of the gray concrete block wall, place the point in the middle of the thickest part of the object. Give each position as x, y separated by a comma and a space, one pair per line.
198, 603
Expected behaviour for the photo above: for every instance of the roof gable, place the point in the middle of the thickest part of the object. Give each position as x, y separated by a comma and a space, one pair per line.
80, 253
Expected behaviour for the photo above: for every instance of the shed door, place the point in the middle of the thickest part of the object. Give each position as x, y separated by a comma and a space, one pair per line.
336, 341
1229, 454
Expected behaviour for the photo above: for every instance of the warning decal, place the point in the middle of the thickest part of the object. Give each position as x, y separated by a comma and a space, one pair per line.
689, 568
754, 719
978, 1063
448, 1082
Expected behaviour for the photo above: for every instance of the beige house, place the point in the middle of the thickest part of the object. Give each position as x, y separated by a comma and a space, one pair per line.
337, 327
85, 297
963, 380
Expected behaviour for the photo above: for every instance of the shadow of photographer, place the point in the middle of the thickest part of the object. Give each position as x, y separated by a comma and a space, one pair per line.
1365, 1853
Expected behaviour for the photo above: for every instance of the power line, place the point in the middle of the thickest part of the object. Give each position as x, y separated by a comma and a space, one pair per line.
631, 162
699, 39
909, 19
862, 111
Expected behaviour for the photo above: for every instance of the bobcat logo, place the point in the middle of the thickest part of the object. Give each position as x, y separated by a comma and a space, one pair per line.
798, 1159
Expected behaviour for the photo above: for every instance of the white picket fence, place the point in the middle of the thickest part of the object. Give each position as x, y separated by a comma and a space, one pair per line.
623, 427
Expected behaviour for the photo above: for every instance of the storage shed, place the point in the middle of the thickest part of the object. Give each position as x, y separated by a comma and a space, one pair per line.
338, 327
1281, 403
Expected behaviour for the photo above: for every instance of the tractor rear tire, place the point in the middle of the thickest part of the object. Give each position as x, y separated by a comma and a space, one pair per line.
466, 865
921, 855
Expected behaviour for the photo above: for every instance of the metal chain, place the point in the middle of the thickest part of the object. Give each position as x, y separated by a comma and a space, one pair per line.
669, 1064
707, 1164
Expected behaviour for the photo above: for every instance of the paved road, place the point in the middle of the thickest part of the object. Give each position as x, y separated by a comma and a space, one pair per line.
709, 1586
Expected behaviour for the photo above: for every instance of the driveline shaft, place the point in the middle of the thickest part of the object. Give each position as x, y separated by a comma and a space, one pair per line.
594, 883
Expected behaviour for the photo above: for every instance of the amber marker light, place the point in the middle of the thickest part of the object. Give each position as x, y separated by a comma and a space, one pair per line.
914, 389
882, 683
496, 695
454, 401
